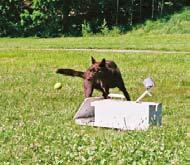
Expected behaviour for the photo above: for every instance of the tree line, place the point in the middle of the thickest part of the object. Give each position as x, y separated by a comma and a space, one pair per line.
47, 18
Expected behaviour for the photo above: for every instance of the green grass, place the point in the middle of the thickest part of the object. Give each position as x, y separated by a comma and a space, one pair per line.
37, 122
168, 42
178, 23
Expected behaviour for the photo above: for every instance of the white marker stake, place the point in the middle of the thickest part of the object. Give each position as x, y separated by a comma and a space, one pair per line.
147, 92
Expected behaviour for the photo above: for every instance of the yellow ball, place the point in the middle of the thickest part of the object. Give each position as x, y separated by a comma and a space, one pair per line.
57, 86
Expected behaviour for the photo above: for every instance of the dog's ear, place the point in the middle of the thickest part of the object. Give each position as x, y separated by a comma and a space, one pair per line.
103, 62
93, 60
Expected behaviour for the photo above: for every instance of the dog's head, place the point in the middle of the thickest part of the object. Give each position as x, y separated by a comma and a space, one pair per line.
97, 69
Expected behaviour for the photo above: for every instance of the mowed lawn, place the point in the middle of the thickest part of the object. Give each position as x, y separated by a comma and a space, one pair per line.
166, 42
36, 121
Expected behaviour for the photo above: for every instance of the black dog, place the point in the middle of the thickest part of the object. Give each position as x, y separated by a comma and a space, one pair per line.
101, 75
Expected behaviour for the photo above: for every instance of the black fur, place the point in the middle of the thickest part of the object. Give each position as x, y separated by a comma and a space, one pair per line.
101, 75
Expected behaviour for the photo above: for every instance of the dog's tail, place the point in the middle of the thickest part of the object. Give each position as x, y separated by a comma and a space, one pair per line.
70, 72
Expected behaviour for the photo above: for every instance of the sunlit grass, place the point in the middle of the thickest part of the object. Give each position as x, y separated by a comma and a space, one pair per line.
168, 42
177, 23
37, 121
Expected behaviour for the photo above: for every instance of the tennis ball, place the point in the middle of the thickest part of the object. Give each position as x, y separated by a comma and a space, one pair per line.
57, 86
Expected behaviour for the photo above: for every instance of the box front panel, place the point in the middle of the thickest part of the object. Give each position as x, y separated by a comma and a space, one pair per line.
123, 115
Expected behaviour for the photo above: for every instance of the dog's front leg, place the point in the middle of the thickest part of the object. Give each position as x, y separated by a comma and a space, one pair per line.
105, 91
105, 94
88, 88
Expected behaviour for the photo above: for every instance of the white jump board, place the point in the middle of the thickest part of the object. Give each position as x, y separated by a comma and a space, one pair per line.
120, 114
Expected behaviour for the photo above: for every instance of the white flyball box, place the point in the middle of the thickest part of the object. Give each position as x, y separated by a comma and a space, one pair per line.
119, 114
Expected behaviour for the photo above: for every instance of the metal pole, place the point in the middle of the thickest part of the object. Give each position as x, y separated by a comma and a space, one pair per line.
152, 9
117, 12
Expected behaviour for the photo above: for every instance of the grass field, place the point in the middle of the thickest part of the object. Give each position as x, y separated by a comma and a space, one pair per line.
176, 23
37, 121
170, 42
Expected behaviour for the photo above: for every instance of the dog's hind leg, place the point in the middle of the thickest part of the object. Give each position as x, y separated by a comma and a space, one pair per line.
124, 90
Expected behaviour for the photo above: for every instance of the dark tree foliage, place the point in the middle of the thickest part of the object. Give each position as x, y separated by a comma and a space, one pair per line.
49, 18
10, 11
